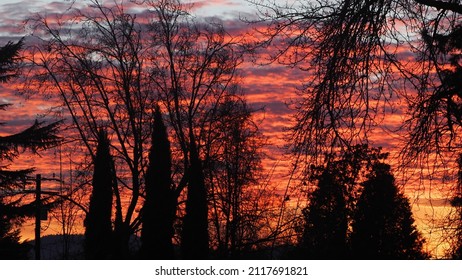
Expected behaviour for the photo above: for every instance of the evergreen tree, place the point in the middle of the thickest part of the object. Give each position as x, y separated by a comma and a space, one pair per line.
159, 208
9, 57
331, 205
383, 226
36, 137
98, 228
195, 237
10, 246
325, 232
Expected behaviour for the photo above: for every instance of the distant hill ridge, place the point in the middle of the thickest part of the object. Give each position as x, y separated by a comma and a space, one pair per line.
53, 247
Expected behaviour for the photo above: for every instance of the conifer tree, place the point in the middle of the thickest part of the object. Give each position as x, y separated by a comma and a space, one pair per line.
331, 205
98, 227
9, 57
34, 138
325, 233
159, 208
383, 226
195, 237
10, 246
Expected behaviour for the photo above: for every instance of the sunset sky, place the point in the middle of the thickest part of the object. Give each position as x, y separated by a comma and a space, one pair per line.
271, 87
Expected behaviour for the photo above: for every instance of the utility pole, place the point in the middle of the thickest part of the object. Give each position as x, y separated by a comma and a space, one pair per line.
38, 209
40, 212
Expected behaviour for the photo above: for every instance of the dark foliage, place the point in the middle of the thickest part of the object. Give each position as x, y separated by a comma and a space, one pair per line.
159, 208
326, 221
195, 236
9, 56
10, 247
38, 136
35, 138
379, 216
98, 227
383, 226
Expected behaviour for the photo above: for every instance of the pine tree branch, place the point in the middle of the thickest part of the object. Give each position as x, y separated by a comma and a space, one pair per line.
11, 178
9, 54
34, 138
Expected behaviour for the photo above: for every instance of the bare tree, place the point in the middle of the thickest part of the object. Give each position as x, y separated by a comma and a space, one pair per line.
94, 60
195, 65
352, 52
233, 172
110, 70
435, 120
454, 223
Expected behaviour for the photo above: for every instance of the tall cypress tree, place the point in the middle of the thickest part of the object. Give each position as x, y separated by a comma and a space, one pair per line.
383, 226
98, 228
159, 208
195, 236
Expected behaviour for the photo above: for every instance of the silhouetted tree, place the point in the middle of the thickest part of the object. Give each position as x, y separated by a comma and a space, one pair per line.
195, 235
99, 72
352, 52
98, 225
10, 246
357, 58
326, 220
196, 64
233, 169
436, 114
328, 216
9, 57
113, 70
35, 138
158, 214
383, 226
436, 118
